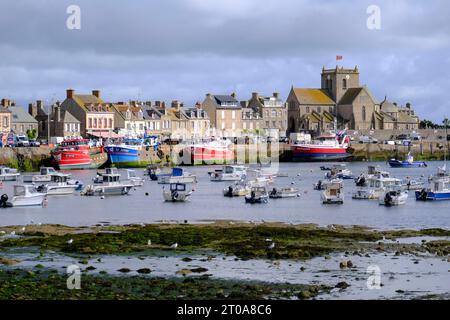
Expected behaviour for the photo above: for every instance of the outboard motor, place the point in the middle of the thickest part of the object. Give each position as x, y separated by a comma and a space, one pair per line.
423, 195
361, 181
3, 200
388, 199
175, 195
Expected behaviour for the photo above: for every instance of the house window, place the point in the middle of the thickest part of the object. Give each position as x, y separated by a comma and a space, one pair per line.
223, 125
100, 123
319, 109
344, 84
233, 125
141, 127
22, 128
244, 125
66, 127
364, 113
267, 124
105, 123
90, 123
233, 114
223, 114
274, 113
251, 125
110, 123
6, 122
307, 109
95, 122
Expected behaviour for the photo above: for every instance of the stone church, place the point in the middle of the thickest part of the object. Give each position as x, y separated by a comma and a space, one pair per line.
343, 98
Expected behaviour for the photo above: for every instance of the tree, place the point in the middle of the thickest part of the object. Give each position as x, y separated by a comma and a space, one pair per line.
31, 134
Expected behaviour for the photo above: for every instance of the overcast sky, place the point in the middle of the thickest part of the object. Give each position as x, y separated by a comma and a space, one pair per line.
183, 49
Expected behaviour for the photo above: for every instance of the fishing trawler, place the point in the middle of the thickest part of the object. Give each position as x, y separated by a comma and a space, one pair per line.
331, 147
79, 154
210, 151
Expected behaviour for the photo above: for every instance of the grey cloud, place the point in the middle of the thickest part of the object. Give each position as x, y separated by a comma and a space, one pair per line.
183, 49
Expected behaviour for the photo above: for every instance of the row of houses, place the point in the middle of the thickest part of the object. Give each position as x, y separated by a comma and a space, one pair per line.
340, 99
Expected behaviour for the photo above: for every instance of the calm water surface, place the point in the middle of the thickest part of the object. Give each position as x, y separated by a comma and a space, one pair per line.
208, 203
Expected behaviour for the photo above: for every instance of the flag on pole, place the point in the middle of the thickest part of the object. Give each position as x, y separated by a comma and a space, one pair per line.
339, 58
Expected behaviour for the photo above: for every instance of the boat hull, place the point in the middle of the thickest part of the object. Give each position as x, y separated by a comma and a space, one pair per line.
79, 159
406, 164
204, 155
313, 154
130, 157
432, 196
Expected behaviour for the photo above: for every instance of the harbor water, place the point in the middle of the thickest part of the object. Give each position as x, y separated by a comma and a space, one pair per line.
145, 204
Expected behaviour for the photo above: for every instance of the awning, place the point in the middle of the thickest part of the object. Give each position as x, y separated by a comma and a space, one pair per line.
106, 135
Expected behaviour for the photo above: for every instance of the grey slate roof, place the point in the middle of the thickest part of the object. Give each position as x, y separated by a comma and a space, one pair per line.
225, 98
19, 114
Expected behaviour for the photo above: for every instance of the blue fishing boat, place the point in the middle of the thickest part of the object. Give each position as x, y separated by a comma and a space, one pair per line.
439, 187
408, 163
131, 152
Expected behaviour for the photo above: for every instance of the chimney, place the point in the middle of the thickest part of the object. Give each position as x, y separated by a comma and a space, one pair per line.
276, 95
57, 116
208, 95
408, 105
96, 93
255, 95
70, 93
176, 104
198, 105
32, 110
233, 94
6, 102
39, 105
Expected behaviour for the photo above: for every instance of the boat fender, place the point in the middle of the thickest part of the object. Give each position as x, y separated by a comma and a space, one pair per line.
175, 195
3, 200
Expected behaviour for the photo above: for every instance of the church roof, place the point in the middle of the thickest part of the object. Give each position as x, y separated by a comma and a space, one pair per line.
313, 96
350, 95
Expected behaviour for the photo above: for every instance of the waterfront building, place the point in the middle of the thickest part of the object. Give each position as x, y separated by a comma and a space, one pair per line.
272, 111
341, 97
225, 113
199, 124
96, 117
5, 118
129, 119
21, 122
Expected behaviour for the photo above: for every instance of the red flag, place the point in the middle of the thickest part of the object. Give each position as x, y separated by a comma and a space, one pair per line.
339, 58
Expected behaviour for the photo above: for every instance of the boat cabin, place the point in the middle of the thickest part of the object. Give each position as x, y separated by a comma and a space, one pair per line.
44, 171
60, 178
177, 187
7, 170
24, 190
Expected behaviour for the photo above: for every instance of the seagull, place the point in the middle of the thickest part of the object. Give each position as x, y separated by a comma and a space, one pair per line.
272, 245
174, 246
149, 243
293, 182
70, 241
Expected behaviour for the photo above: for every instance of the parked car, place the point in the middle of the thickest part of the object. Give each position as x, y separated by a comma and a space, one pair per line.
367, 139
22, 141
283, 140
402, 137
34, 143
389, 142
416, 136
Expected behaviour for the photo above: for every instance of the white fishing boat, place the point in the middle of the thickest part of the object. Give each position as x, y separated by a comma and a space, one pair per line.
8, 174
373, 171
108, 183
322, 184
178, 176
376, 187
287, 192
238, 189
394, 198
24, 196
131, 176
229, 173
333, 193
439, 188
45, 175
339, 171
257, 195
59, 185
413, 184
177, 192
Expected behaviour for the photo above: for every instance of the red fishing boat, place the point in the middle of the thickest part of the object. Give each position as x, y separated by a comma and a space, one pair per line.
79, 154
207, 152
333, 147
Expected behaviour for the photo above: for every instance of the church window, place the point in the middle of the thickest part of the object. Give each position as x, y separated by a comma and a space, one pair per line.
344, 84
364, 113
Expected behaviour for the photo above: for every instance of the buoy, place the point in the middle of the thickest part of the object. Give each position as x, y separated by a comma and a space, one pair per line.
102, 197
45, 203
146, 193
